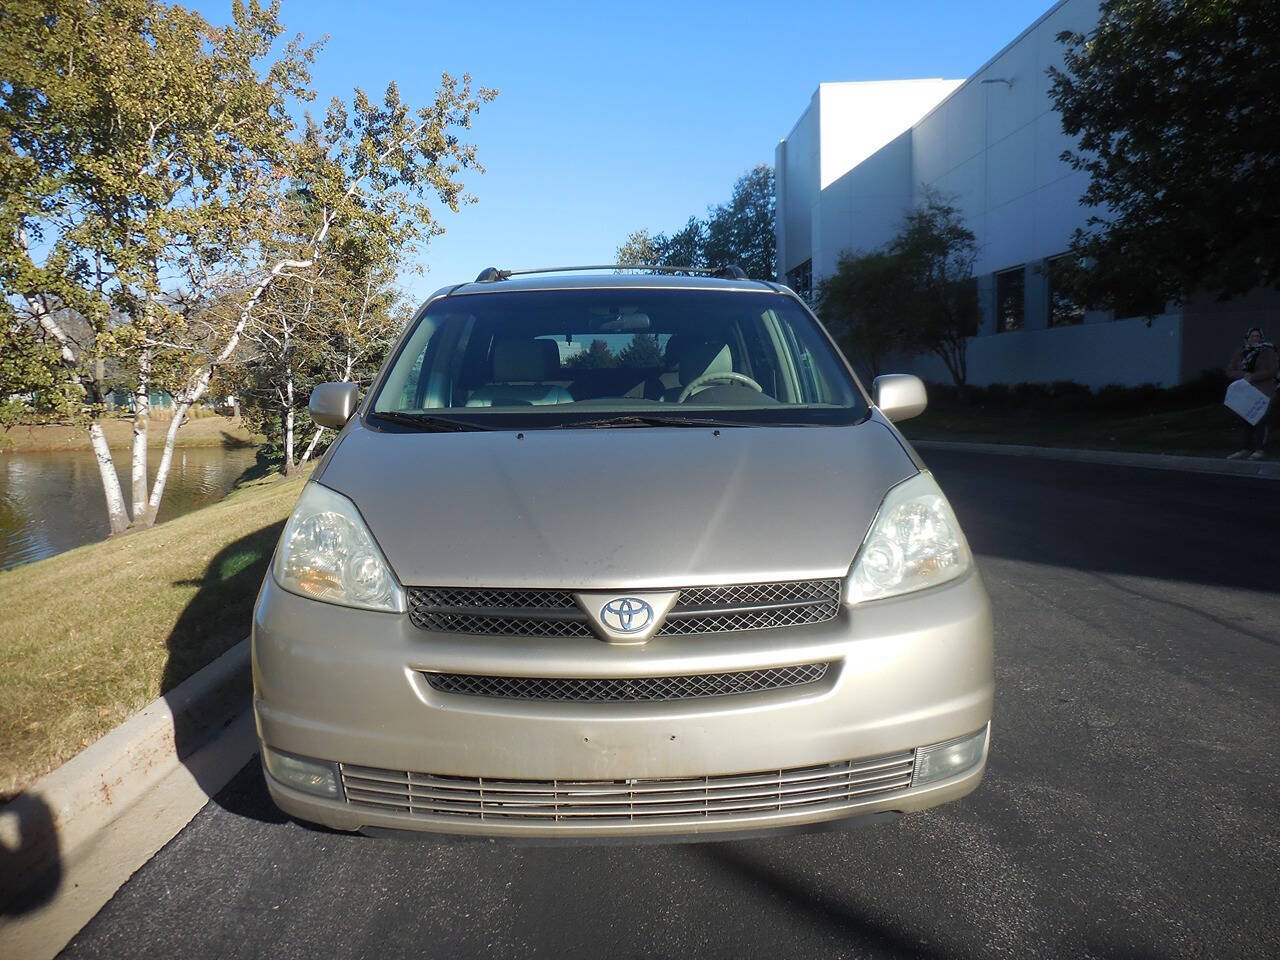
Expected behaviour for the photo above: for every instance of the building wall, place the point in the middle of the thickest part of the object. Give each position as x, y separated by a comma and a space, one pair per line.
844, 127
992, 145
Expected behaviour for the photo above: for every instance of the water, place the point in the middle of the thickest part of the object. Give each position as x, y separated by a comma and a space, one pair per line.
51, 502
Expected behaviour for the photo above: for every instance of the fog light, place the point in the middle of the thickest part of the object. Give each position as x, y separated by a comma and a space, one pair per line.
942, 760
309, 776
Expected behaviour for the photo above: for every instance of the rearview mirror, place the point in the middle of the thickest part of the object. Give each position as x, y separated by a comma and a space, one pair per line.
626, 323
332, 404
900, 396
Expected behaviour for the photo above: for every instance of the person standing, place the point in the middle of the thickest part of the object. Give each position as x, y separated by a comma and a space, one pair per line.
1257, 362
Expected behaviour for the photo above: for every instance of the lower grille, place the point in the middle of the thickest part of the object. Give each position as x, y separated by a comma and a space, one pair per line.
628, 689
676, 800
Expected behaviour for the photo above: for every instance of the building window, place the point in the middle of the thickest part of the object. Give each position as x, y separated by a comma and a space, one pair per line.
1063, 310
1010, 285
800, 279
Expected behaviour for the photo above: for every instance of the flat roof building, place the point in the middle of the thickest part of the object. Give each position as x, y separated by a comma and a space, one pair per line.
862, 155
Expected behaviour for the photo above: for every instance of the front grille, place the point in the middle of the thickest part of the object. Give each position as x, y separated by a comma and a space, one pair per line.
828, 786
628, 689
554, 613
498, 613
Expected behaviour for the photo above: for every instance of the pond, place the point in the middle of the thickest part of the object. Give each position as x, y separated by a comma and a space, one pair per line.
51, 502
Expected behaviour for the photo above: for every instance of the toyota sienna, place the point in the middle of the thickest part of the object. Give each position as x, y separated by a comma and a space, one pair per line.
618, 556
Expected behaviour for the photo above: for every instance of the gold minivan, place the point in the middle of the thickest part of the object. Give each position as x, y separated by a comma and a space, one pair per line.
619, 555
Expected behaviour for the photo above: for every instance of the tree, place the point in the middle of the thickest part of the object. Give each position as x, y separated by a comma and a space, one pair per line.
640, 248
151, 158
642, 351
331, 323
595, 357
142, 143
936, 253
739, 233
1174, 106
862, 305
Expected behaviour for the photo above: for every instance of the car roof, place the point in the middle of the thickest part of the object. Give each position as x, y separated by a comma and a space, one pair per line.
610, 281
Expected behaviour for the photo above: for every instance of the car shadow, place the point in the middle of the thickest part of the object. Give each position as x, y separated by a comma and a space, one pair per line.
216, 618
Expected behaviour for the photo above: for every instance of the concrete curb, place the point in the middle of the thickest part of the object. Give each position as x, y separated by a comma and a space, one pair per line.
71, 839
1265, 469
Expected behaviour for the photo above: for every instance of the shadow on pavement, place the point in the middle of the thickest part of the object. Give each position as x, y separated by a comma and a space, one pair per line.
841, 916
30, 862
216, 618
1104, 519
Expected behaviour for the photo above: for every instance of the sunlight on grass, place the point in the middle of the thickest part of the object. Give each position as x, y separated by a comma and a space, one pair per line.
89, 637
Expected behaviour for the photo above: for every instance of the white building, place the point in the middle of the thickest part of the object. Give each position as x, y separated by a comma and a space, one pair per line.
863, 154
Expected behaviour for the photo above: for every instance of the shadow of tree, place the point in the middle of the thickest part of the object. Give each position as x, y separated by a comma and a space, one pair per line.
231, 442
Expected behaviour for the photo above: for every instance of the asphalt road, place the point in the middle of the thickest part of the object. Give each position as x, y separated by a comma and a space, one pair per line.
1131, 806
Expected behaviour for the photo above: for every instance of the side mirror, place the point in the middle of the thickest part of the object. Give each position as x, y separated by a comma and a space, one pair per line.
900, 396
332, 404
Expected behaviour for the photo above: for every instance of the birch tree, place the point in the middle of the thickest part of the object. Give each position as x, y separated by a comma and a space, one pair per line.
148, 158
143, 146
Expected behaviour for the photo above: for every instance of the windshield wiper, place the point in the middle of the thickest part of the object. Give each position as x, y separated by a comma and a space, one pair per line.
426, 422
645, 420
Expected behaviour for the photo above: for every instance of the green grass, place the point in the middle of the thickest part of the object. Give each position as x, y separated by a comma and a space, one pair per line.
1210, 430
203, 429
91, 636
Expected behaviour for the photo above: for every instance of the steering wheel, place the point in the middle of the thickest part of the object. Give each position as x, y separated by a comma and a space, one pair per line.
728, 376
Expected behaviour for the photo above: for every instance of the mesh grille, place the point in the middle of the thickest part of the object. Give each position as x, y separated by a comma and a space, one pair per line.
627, 689
830, 786
554, 613
759, 594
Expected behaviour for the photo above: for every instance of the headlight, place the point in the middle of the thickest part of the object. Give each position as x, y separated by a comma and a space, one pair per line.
327, 553
915, 542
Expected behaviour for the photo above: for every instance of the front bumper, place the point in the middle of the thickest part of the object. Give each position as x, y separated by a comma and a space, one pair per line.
346, 686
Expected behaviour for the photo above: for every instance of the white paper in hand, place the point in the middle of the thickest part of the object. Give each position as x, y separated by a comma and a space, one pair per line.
1246, 400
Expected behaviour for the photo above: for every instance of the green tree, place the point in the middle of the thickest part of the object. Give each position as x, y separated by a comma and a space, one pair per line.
738, 233
334, 322
142, 143
595, 357
151, 157
642, 351
741, 232
640, 248
862, 305
1174, 106
936, 252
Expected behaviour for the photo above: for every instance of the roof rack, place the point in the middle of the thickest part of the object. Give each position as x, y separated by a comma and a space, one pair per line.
732, 272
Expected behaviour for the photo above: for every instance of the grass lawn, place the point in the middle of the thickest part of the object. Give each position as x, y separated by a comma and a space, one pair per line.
91, 636
1210, 431
204, 430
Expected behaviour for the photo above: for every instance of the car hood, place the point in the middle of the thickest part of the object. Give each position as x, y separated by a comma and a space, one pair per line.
620, 508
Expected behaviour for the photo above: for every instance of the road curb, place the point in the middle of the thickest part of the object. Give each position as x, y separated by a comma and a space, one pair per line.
72, 838
1264, 469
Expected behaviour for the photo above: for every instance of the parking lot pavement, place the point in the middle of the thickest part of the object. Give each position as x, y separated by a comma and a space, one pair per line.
1131, 807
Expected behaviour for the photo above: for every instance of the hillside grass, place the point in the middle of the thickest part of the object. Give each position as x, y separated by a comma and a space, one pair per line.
205, 429
91, 636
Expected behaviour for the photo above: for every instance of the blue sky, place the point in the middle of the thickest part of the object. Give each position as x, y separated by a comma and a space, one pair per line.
612, 118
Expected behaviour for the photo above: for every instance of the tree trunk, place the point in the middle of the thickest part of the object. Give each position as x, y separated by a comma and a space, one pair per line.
141, 422
311, 447
117, 515
287, 467
166, 460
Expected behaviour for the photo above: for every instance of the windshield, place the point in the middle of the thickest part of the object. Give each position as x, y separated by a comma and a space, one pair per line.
550, 357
